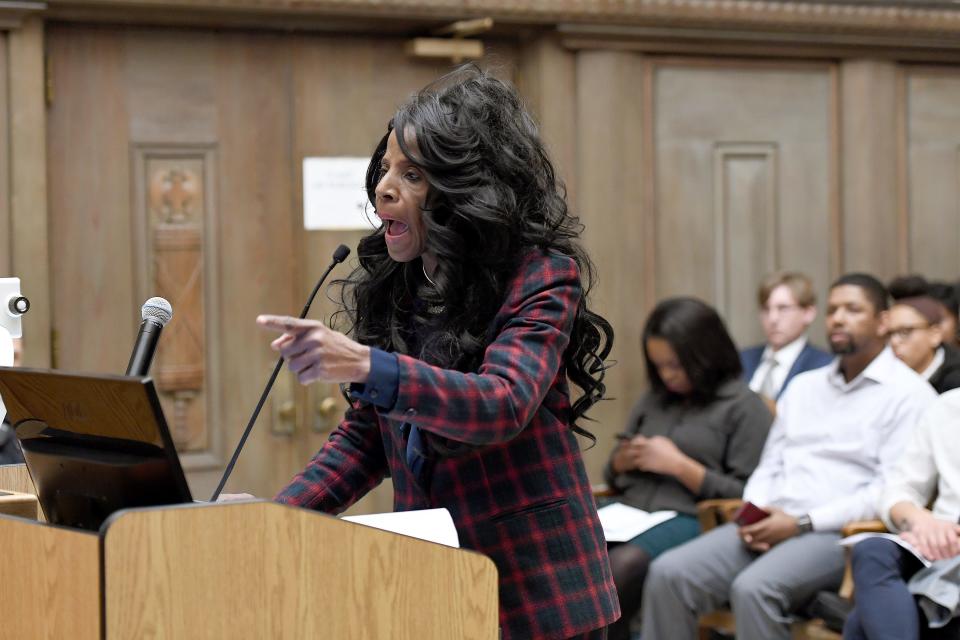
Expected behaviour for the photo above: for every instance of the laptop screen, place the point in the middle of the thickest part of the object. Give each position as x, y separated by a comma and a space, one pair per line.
93, 444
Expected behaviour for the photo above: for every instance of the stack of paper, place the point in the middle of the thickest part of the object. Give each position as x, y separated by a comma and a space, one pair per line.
849, 541
621, 522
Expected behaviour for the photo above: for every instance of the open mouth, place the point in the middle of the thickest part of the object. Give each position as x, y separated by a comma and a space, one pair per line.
396, 228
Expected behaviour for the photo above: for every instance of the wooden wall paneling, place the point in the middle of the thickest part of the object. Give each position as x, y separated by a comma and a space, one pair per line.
746, 209
6, 229
95, 313
720, 124
835, 225
933, 171
903, 174
28, 185
870, 184
546, 79
171, 88
609, 103
259, 246
213, 106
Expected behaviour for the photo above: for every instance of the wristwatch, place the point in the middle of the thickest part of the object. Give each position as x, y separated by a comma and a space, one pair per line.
804, 524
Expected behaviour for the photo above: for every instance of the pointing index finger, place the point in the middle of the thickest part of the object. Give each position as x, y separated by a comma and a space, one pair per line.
288, 324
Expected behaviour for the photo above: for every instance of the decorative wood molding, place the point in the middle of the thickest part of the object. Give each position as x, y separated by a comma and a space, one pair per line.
12, 14
903, 20
174, 233
745, 184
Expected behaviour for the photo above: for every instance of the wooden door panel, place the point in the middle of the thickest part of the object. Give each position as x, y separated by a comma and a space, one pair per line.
177, 183
742, 161
94, 310
933, 171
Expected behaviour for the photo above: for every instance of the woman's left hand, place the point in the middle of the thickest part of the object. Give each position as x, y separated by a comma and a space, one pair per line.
936, 539
317, 353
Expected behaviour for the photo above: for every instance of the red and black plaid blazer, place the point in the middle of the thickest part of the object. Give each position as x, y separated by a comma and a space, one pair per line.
523, 498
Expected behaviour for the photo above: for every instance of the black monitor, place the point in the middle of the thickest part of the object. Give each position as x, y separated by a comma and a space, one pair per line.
93, 444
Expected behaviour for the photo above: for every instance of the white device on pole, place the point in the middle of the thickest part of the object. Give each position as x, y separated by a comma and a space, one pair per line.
12, 305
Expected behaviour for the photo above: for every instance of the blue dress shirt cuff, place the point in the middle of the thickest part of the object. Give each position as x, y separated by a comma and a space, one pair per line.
382, 383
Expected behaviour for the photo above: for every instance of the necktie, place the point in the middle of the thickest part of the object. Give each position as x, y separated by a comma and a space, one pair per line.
415, 458
767, 385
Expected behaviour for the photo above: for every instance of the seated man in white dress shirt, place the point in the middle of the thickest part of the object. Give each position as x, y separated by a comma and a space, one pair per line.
787, 307
838, 430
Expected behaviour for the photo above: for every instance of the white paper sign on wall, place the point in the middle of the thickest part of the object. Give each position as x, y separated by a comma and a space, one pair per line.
334, 194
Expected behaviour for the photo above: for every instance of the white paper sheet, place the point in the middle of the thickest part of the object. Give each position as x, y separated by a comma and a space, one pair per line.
849, 541
433, 525
334, 194
622, 522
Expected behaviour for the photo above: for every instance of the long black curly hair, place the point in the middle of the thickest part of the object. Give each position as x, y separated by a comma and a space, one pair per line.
493, 197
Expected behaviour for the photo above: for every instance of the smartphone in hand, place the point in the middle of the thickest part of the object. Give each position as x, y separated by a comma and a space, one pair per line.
749, 513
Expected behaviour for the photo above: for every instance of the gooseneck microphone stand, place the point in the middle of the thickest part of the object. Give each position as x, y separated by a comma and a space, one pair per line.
338, 256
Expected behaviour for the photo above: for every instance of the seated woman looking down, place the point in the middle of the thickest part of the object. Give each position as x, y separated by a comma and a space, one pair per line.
696, 434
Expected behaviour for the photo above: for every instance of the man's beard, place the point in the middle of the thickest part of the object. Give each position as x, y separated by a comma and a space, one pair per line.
844, 349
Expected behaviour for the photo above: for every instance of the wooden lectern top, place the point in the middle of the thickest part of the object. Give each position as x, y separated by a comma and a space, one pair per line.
266, 570
240, 570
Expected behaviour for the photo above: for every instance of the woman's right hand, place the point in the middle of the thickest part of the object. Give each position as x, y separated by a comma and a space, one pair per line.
624, 456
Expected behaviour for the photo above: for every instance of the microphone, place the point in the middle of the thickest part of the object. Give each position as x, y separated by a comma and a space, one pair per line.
339, 256
156, 313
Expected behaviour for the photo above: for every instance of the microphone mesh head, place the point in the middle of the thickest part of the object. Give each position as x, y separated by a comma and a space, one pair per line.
158, 309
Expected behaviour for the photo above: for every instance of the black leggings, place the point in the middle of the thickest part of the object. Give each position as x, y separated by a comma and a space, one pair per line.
596, 634
629, 564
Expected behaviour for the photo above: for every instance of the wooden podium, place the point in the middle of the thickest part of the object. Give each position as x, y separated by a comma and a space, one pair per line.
238, 570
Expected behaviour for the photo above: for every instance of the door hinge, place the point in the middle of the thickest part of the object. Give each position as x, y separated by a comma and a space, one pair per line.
54, 349
48, 80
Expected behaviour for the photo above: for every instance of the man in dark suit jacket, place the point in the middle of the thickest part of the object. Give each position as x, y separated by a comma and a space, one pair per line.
787, 308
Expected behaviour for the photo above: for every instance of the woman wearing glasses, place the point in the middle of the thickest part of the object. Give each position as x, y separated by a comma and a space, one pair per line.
916, 337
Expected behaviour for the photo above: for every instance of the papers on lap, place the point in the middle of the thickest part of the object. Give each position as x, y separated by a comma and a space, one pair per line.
849, 541
622, 522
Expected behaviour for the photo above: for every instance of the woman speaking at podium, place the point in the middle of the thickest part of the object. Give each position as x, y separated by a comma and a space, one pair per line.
468, 315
